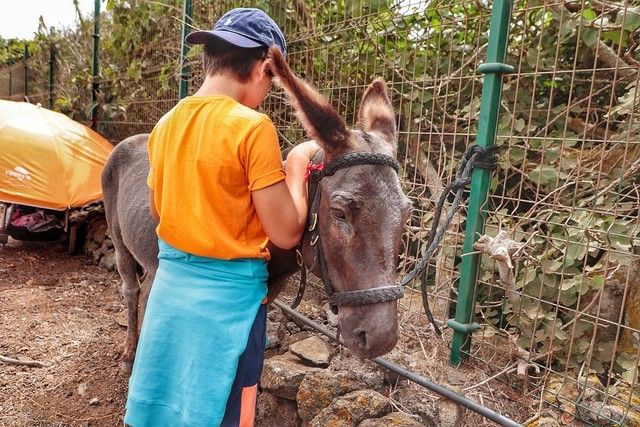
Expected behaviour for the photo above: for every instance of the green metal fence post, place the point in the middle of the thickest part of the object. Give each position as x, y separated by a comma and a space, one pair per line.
480, 179
52, 60
95, 66
186, 28
10, 76
26, 70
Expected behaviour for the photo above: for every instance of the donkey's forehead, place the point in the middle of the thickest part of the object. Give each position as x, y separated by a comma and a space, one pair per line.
364, 183
372, 142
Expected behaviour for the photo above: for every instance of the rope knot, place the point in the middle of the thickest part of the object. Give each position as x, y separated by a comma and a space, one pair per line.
485, 158
312, 170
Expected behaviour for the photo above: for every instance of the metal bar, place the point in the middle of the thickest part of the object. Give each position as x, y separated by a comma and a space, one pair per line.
437, 388
4, 237
184, 67
10, 77
26, 71
480, 178
96, 64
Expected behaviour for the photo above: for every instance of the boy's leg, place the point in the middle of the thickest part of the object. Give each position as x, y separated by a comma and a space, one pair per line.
241, 406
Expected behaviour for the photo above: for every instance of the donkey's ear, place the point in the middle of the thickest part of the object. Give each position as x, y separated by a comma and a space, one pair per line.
318, 117
376, 112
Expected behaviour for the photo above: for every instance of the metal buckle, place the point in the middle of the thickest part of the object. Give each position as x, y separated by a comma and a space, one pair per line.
314, 221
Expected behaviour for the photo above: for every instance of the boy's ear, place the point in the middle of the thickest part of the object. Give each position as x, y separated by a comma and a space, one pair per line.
260, 69
268, 67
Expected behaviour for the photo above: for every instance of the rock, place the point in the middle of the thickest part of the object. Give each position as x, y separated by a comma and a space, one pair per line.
416, 400
318, 389
90, 247
282, 375
311, 310
351, 409
275, 411
288, 339
108, 260
332, 318
314, 350
544, 421
366, 370
395, 419
94, 401
82, 389
272, 334
122, 318
100, 231
293, 327
449, 413
107, 243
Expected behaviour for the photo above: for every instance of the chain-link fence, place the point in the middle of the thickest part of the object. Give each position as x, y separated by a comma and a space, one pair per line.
560, 265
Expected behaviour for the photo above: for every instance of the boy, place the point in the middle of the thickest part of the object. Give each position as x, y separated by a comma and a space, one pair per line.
219, 192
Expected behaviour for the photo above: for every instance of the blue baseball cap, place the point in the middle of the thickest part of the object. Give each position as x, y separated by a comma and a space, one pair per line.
243, 27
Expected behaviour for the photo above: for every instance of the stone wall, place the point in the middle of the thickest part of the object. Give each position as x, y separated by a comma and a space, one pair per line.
98, 244
309, 381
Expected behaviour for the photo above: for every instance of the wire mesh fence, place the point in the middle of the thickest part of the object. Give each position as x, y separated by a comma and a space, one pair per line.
556, 292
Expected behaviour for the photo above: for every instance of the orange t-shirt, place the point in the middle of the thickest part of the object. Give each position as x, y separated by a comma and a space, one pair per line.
207, 155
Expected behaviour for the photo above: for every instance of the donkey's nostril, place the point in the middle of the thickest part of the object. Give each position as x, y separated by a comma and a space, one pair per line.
362, 339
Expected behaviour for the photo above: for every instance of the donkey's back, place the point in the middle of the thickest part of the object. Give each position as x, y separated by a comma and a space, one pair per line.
132, 228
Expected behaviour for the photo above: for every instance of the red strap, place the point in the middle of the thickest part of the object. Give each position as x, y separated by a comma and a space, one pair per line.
312, 168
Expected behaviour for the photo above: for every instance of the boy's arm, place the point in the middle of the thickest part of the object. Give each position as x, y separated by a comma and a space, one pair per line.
282, 207
152, 206
296, 168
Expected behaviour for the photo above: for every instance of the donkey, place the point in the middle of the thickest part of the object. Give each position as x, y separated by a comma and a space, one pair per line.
355, 227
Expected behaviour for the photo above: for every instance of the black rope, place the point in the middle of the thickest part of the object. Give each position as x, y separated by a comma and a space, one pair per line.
475, 156
367, 296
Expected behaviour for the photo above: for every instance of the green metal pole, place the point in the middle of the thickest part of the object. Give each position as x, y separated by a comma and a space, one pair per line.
186, 28
10, 77
26, 71
95, 71
480, 179
52, 60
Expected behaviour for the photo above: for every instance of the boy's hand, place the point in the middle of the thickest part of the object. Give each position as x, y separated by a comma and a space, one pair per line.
298, 159
296, 168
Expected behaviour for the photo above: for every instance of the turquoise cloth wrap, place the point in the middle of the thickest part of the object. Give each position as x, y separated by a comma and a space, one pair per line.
196, 326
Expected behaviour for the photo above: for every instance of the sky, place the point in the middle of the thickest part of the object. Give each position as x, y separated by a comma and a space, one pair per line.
19, 19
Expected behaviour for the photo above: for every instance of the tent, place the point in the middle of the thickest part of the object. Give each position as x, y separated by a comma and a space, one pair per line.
48, 160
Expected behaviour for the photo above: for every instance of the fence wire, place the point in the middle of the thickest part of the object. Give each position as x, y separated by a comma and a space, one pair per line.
556, 292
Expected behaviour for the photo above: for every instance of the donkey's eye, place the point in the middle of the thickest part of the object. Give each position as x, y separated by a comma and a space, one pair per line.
338, 214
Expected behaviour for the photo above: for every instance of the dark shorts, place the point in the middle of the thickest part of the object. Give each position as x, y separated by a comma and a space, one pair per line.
241, 405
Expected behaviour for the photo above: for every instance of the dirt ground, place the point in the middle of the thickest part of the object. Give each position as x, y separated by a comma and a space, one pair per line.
60, 310
63, 311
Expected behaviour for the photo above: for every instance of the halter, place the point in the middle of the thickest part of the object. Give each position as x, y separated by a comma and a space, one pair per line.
474, 156
316, 172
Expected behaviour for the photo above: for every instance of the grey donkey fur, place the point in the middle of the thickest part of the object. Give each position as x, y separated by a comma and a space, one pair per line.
132, 230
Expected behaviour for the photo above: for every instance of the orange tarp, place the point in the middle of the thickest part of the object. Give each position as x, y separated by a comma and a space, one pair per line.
48, 160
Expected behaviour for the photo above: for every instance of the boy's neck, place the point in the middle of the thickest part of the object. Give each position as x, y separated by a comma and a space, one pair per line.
222, 84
